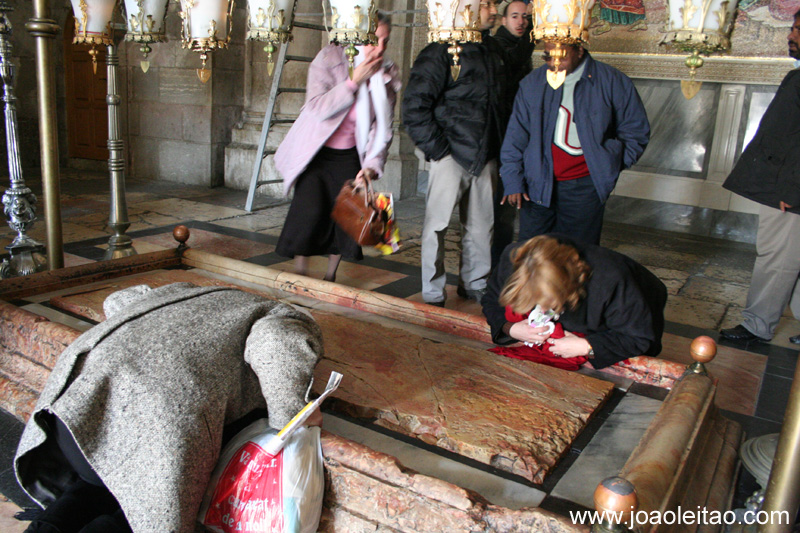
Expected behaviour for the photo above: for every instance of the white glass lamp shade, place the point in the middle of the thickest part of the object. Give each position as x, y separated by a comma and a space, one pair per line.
561, 20
205, 22
145, 20
352, 21
704, 25
270, 20
93, 21
455, 21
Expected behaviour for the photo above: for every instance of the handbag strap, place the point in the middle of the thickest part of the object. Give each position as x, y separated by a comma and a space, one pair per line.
370, 194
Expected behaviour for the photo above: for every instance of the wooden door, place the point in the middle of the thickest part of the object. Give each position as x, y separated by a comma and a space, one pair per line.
87, 111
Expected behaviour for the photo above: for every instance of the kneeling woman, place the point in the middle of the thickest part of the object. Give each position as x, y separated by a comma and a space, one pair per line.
613, 304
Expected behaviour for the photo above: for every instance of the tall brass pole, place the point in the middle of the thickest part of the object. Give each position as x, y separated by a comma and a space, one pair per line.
783, 489
119, 244
43, 29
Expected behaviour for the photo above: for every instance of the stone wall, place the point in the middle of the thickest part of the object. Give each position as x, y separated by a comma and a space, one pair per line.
179, 126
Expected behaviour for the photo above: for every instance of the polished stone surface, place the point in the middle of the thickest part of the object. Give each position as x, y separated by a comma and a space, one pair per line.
681, 130
608, 450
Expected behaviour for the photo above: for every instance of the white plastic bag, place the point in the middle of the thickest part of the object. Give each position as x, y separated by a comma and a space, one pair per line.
252, 491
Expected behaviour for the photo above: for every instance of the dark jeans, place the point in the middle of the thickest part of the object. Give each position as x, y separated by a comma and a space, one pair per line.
575, 211
504, 216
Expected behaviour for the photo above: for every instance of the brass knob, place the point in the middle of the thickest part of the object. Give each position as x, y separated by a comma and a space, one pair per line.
181, 234
703, 349
616, 496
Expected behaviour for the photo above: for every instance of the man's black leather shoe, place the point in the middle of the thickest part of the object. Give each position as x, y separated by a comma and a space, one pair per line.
795, 339
741, 334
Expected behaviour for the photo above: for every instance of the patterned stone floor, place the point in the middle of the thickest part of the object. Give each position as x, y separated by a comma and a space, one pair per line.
707, 278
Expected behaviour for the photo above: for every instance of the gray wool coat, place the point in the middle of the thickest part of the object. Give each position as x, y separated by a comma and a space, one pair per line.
146, 394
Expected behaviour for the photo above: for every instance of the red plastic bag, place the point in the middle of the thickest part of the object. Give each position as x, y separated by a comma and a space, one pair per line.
252, 491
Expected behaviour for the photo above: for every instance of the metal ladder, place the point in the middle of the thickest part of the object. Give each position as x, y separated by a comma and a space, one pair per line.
269, 120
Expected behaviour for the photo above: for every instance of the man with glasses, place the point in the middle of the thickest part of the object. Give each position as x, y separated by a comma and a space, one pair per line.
565, 147
458, 124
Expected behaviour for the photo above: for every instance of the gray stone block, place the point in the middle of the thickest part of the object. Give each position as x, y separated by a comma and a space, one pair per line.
160, 120
227, 87
143, 157
184, 162
181, 86
196, 123
239, 168
144, 87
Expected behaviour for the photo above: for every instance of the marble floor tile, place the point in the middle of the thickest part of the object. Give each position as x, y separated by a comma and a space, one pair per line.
454, 301
656, 257
145, 247
188, 210
75, 260
350, 274
609, 449
739, 372
733, 317
409, 255
257, 222
713, 290
693, 312
224, 245
675, 280
787, 327
728, 274
9, 524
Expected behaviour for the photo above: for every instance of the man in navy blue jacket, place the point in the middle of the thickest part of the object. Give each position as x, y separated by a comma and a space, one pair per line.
565, 148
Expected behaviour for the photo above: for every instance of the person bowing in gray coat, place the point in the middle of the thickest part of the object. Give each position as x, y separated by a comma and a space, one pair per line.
129, 426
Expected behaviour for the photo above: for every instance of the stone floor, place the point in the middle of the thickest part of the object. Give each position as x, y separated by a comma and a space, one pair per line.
707, 277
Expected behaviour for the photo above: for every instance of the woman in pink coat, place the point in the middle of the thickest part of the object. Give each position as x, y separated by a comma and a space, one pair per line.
343, 132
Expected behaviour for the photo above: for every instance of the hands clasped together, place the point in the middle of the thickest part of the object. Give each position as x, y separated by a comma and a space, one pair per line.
568, 346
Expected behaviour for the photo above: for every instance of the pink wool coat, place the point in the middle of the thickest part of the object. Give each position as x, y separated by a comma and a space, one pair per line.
328, 100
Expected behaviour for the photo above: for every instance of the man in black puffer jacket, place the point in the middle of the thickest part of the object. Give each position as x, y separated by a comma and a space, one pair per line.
458, 124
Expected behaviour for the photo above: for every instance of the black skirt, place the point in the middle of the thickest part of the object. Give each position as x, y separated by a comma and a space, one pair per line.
308, 229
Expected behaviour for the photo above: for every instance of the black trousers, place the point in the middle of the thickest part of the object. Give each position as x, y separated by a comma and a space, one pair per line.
86, 506
82, 508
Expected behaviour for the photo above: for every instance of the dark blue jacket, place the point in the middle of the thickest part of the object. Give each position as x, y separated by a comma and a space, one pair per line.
612, 127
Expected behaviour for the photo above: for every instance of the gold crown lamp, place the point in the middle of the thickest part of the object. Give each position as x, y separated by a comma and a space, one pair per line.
93, 24
145, 25
206, 26
699, 27
453, 23
564, 23
270, 21
353, 22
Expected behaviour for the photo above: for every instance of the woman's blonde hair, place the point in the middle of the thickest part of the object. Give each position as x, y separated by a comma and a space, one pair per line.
547, 273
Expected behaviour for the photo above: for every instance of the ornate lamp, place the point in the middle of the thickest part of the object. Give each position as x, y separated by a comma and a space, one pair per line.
145, 20
206, 27
352, 22
93, 24
564, 23
270, 21
454, 22
699, 27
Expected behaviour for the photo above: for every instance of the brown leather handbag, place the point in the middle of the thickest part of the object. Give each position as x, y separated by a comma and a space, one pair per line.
355, 212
